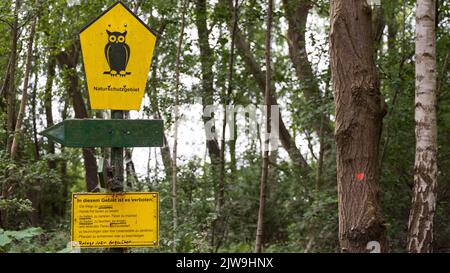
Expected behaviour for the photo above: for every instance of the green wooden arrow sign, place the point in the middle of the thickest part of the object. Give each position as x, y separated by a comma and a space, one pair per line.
83, 133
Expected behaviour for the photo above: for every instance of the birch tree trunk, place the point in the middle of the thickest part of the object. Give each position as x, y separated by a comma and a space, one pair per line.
420, 226
360, 109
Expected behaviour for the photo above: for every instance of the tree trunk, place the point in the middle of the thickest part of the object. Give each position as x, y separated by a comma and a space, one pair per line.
207, 63
212, 145
360, 109
175, 142
4, 88
420, 226
11, 101
63, 166
266, 144
296, 12
34, 193
33, 113
165, 150
51, 68
218, 224
23, 102
243, 48
227, 101
325, 117
69, 61
378, 26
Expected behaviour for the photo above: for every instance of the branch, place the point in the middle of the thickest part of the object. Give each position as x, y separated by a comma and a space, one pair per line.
310, 146
7, 22
277, 166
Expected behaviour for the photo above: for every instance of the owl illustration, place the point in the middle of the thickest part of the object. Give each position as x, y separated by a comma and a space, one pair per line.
117, 54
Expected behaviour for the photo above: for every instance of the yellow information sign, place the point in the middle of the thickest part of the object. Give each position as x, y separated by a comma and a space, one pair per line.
117, 53
115, 220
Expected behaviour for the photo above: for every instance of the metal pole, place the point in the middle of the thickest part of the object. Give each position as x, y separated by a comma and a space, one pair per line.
116, 185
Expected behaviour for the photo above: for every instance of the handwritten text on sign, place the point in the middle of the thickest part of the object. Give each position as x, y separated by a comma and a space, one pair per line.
115, 220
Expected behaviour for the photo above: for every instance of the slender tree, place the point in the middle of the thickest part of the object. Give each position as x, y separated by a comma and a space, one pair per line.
243, 48
11, 95
153, 89
34, 116
50, 76
420, 226
176, 117
266, 144
68, 61
296, 13
226, 101
360, 109
23, 102
207, 63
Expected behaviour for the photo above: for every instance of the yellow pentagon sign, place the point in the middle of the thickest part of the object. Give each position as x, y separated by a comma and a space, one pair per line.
115, 220
117, 52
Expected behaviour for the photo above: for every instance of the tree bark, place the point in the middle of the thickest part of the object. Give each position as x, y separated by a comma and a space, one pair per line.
265, 148
68, 60
23, 102
243, 48
360, 109
420, 225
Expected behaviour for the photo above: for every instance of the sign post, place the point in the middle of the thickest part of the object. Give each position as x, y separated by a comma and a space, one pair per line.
117, 50
116, 185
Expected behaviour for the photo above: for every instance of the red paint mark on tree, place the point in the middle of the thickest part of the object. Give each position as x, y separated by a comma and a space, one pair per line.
359, 176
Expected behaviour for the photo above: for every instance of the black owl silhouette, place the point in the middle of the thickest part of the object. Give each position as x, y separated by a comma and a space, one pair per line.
117, 53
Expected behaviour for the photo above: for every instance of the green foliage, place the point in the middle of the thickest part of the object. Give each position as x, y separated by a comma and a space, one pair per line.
18, 237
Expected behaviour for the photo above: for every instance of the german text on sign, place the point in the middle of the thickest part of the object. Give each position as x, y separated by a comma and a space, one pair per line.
115, 220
